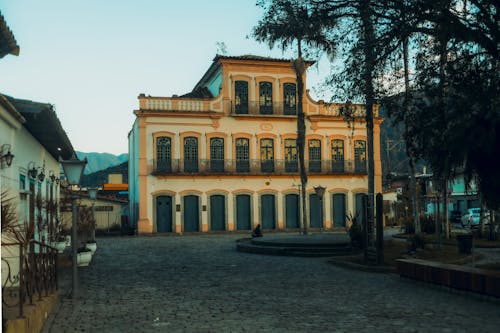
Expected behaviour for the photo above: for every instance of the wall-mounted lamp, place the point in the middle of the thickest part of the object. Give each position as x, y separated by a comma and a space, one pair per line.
32, 171
320, 191
41, 176
52, 176
6, 155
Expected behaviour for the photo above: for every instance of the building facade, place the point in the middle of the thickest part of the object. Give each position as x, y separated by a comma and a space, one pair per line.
224, 156
31, 133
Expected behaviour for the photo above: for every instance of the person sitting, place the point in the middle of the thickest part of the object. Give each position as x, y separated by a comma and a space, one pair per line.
257, 232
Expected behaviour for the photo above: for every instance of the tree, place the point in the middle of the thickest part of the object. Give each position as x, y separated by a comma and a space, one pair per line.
289, 23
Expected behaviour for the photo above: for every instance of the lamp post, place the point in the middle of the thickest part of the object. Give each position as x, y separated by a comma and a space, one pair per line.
92, 191
73, 169
320, 191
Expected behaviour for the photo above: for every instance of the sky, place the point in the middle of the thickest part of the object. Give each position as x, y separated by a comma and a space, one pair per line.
92, 58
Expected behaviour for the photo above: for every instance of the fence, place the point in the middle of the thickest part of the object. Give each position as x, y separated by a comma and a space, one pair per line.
36, 274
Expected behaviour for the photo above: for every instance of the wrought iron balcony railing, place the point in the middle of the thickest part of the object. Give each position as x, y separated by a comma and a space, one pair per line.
257, 109
255, 167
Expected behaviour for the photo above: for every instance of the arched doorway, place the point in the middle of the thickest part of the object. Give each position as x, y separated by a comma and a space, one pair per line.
292, 212
217, 212
191, 213
164, 213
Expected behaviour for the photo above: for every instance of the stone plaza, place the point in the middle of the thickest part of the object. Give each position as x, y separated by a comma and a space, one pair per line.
200, 283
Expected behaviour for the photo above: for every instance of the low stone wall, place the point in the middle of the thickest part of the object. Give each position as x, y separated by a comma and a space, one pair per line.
35, 316
465, 278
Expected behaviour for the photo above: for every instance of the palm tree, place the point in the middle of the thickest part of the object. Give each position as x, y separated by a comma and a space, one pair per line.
290, 22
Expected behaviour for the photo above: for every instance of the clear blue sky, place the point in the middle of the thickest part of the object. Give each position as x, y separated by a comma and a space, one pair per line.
92, 58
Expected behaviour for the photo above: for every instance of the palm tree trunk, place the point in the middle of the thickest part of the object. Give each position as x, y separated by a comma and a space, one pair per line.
409, 145
301, 134
366, 15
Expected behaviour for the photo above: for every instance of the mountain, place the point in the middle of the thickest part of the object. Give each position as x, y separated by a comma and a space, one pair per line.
101, 177
101, 161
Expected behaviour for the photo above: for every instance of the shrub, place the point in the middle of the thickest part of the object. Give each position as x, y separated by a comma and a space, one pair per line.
356, 234
416, 241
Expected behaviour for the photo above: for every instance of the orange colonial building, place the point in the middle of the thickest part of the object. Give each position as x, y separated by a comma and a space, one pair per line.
223, 157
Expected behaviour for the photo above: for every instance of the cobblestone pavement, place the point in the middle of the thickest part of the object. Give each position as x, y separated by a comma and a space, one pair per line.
200, 283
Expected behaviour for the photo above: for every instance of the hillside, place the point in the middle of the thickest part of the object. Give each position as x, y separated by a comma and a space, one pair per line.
101, 161
101, 177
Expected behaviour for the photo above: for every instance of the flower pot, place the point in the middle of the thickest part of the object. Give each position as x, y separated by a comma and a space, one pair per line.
84, 258
60, 246
68, 240
92, 246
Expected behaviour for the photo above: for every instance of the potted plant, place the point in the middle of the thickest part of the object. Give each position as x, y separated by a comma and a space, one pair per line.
86, 225
84, 256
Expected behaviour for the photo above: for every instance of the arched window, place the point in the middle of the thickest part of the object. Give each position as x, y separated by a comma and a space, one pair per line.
291, 164
337, 155
360, 156
241, 97
289, 98
314, 155
266, 97
217, 154
190, 154
242, 155
163, 154
267, 155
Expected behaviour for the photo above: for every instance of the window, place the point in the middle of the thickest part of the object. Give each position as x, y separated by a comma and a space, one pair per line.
217, 154
242, 155
266, 98
291, 164
22, 182
337, 155
163, 154
241, 97
314, 155
190, 154
289, 99
267, 155
360, 156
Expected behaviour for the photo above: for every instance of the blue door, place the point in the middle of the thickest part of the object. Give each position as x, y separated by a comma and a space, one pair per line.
315, 212
243, 212
339, 210
218, 212
191, 213
268, 212
360, 208
292, 210
164, 213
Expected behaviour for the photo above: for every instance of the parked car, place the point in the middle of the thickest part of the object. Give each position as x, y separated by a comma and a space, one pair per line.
472, 218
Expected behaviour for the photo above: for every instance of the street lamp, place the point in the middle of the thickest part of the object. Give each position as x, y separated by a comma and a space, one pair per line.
92, 191
73, 169
320, 191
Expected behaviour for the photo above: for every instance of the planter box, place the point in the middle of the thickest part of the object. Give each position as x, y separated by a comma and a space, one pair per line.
472, 279
84, 258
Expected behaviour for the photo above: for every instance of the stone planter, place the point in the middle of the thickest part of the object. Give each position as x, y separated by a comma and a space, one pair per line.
83, 258
92, 246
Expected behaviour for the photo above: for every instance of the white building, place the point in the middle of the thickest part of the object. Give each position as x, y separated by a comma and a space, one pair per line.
32, 133
224, 156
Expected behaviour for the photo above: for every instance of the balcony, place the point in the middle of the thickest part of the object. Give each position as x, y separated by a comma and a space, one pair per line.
255, 167
255, 109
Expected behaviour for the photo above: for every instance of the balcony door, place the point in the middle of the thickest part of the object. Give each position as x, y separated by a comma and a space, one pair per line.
190, 154
217, 154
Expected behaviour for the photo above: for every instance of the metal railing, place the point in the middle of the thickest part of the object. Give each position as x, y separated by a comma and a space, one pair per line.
37, 274
256, 108
256, 167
